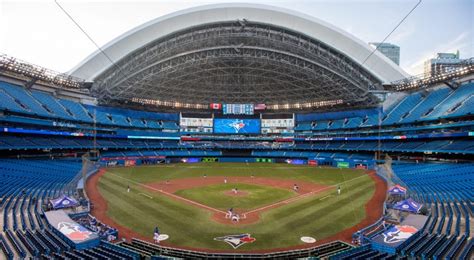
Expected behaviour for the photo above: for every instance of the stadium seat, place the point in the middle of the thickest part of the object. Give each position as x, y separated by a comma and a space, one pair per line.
20, 95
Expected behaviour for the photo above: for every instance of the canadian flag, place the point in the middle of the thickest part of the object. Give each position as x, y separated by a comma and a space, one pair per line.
215, 106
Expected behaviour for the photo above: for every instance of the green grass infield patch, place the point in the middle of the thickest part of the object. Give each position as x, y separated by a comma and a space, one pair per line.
217, 196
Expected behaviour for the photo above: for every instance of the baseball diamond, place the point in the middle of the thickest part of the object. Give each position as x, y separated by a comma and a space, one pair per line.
191, 208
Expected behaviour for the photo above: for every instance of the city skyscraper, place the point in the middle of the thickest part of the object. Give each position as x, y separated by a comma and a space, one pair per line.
444, 62
391, 51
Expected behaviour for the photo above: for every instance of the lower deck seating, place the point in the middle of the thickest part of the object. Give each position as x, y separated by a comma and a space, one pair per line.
448, 190
25, 186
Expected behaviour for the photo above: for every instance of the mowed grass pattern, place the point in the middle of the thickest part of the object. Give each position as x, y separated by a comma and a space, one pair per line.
319, 216
256, 196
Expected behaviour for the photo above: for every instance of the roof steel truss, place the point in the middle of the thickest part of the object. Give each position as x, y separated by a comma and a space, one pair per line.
237, 62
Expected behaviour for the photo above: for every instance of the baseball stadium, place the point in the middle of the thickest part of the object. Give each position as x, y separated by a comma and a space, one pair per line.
236, 131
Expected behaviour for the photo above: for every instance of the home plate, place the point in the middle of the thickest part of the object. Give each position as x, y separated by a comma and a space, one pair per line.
308, 240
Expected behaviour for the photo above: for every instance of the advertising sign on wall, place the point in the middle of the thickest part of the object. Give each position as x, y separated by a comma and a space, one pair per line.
342, 165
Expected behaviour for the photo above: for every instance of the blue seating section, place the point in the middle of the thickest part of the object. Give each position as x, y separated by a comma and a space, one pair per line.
352, 122
456, 181
183, 153
402, 108
27, 185
439, 103
170, 125
442, 109
285, 154
30, 104
99, 116
77, 110
448, 191
422, 108
51, 103
371, 120
362, 252
464, 146
416, 107
465, 108
17, 99
303, 126
10, 104
12, 142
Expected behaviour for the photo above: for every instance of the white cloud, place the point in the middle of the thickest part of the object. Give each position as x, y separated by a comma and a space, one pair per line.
462, 42
401, 35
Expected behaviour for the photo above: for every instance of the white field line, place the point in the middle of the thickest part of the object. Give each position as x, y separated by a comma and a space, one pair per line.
169, 194
302, 195
146, 195
325, 197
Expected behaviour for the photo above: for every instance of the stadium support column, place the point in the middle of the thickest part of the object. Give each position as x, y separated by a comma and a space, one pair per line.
95, 152
30, 83
379, 141
85, 167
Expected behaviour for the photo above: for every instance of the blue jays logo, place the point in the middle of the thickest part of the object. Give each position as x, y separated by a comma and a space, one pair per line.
237, 125
74, 231
236, 240
398, 234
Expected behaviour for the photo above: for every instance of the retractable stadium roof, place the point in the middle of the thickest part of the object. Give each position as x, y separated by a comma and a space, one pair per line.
238, 53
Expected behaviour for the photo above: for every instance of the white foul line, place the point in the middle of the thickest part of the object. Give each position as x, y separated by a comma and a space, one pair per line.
170, 194
325, 197
146, 195
302, 195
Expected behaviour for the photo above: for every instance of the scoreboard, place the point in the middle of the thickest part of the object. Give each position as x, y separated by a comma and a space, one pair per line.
238, 109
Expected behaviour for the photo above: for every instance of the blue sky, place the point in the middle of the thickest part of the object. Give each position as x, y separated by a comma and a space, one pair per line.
38, 32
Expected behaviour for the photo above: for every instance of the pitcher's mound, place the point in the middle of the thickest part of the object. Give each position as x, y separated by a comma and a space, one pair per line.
236, 194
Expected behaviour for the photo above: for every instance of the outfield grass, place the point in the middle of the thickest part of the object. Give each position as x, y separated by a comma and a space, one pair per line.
319, 216
215, 197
